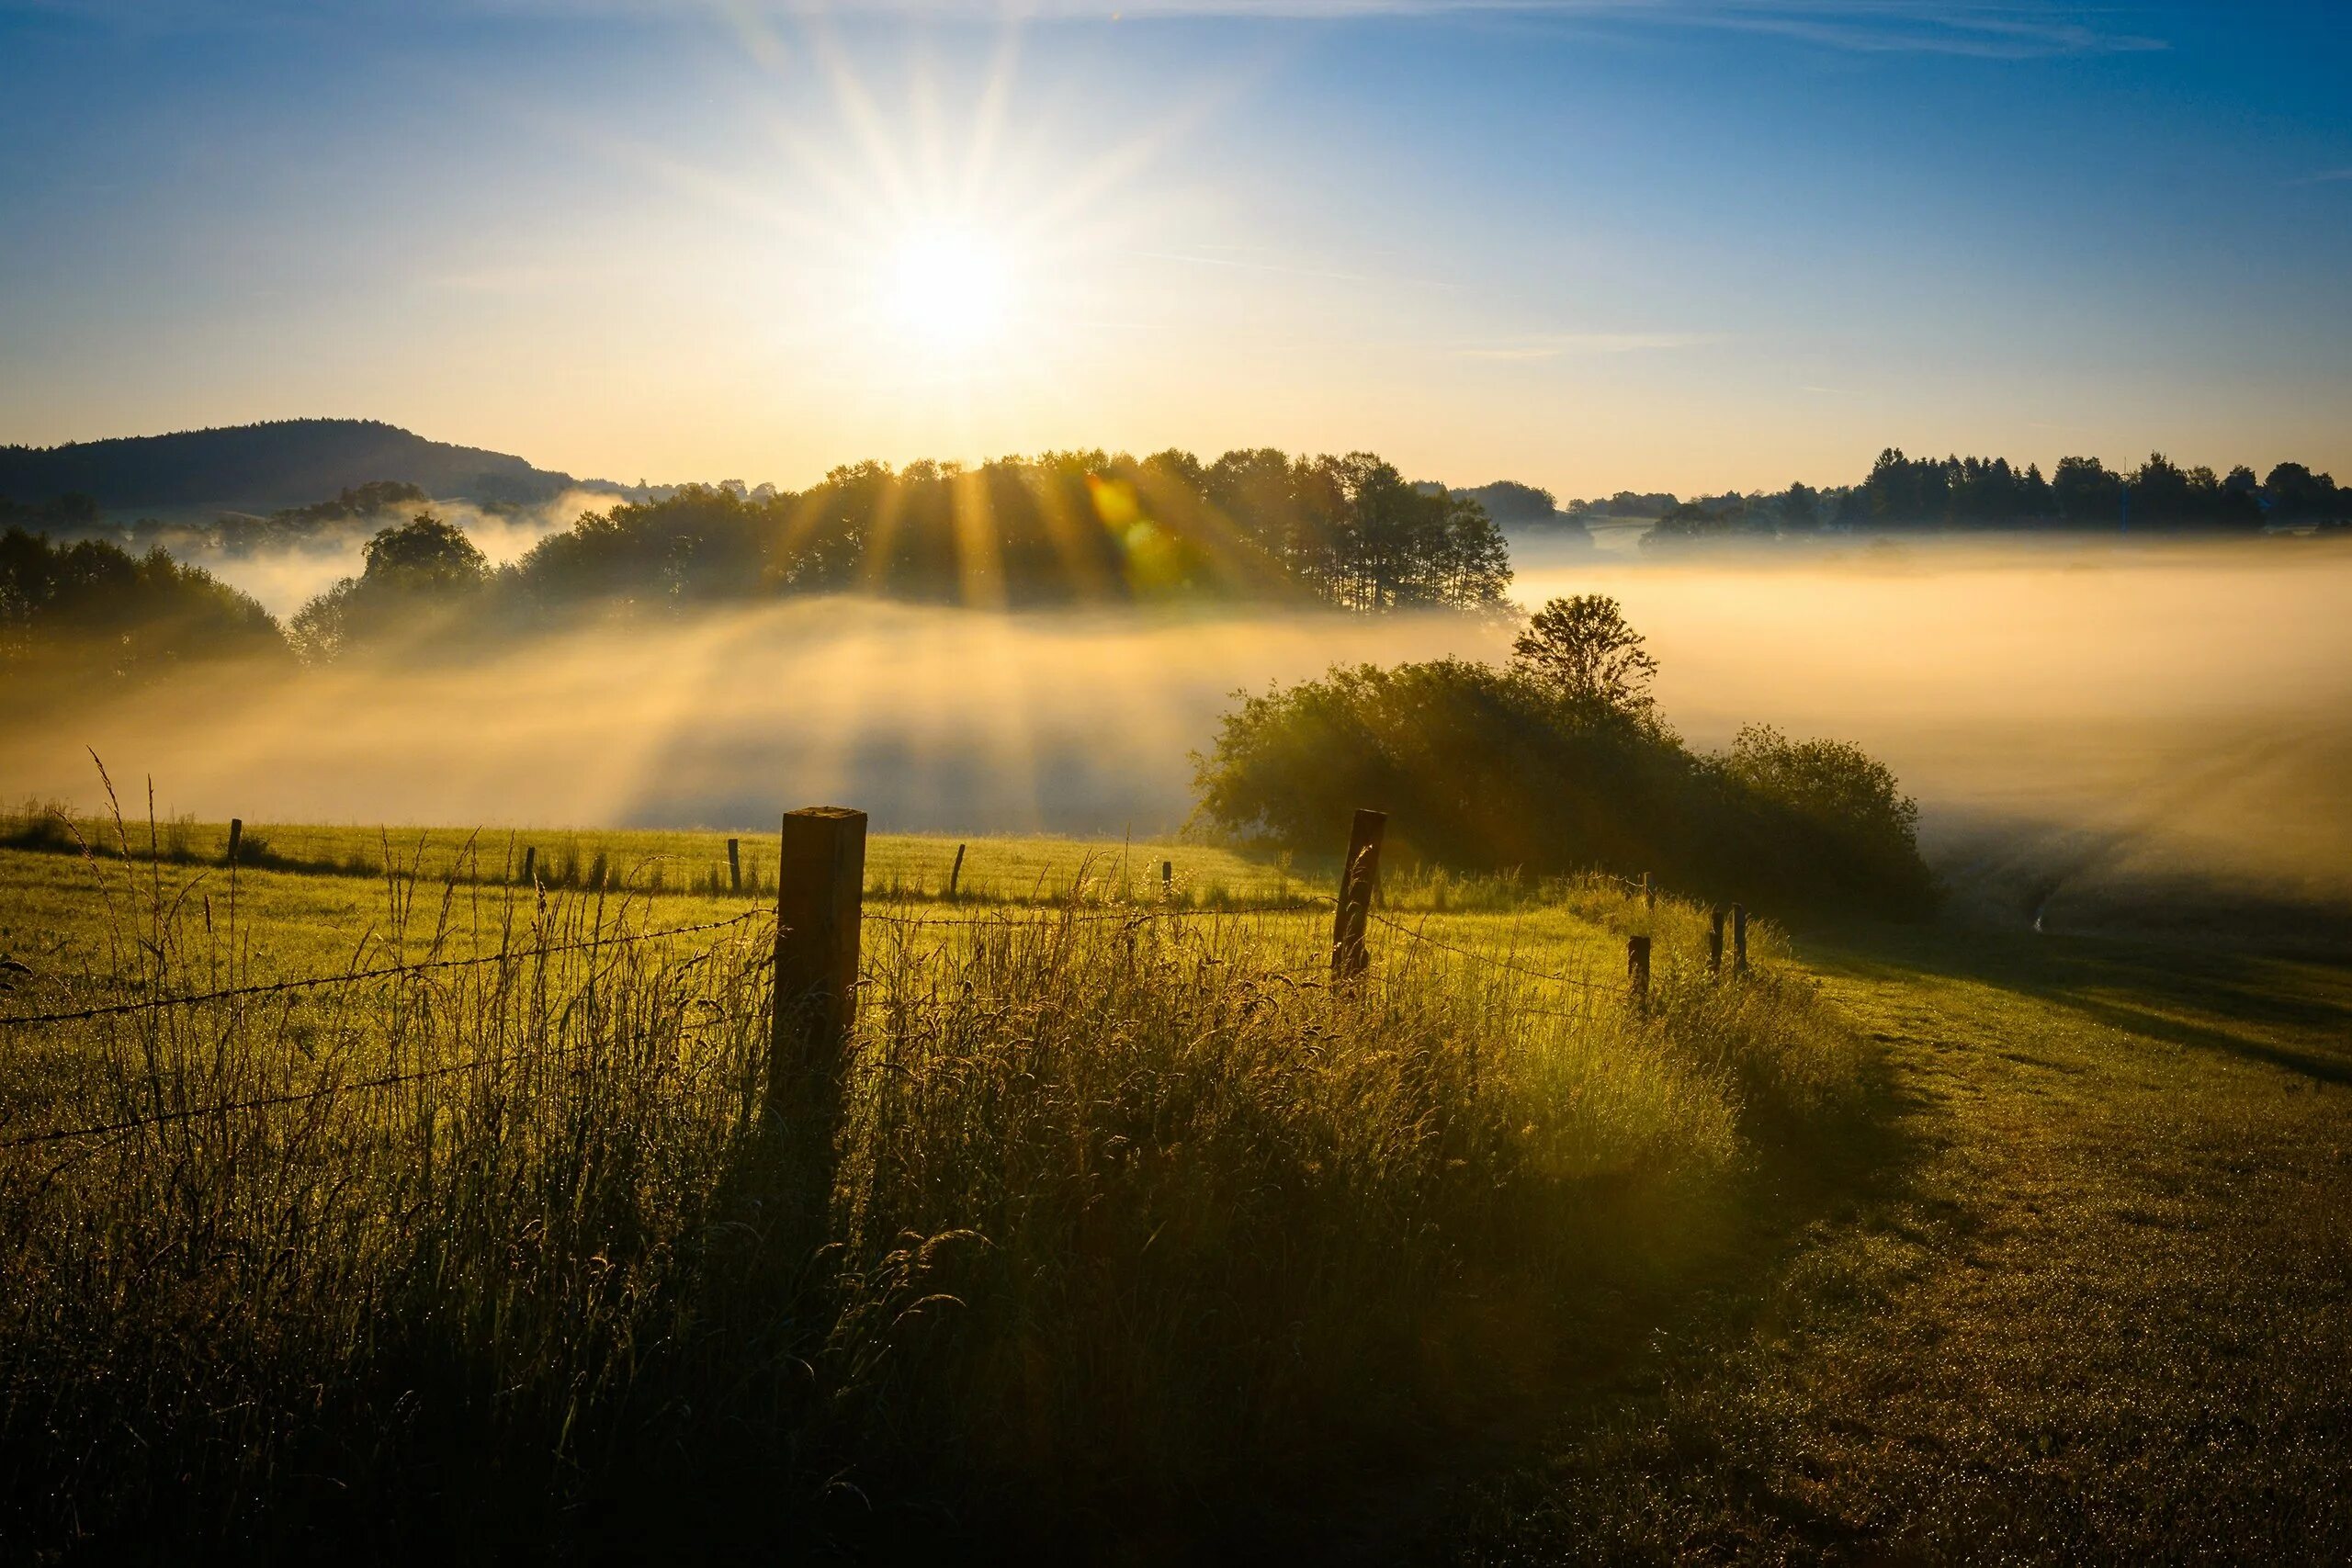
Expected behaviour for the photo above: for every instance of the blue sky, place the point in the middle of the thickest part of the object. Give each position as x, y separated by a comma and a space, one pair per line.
1683, 246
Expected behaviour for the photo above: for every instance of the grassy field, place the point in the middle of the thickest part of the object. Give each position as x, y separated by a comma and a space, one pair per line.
1128, 1201
2088, 1299
1924, 1243
907, 865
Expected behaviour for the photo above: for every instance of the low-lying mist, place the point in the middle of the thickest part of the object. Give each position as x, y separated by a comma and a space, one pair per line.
2086, 725
284, 580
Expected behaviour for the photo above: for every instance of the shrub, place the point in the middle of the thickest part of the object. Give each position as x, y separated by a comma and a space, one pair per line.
1484, 770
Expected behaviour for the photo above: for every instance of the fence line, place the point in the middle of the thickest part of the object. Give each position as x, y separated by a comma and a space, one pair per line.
1493, 963
835, 880
353, 976
1054, 914
994, 922
268, 1101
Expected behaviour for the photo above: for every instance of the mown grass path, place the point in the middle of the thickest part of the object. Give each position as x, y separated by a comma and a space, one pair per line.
2090, 1300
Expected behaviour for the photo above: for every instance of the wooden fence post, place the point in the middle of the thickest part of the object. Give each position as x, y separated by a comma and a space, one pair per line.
819, 881
735, 864
1649, 893
530, 863
1167, 879
1637, 970
955, 872
1358, 881
1716, 940
236, 837
1739, 938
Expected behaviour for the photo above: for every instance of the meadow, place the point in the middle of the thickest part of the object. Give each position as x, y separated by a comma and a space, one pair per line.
1141, 1235
655, 862
1132, 1213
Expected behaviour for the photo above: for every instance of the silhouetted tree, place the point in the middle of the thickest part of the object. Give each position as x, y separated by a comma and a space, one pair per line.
1583, 650
2298, 495
416, 577
2086, 493
91, 609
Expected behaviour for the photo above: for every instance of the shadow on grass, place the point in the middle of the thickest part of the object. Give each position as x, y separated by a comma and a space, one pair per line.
2294, 1013
1711, 1279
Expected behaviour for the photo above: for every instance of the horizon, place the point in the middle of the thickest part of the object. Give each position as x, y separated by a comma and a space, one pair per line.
1592, 247
1456, 483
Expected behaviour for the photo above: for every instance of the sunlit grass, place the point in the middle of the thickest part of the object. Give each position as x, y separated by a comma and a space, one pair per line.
1132, 1213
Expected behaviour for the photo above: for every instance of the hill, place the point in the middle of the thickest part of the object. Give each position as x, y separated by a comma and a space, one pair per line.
265, 468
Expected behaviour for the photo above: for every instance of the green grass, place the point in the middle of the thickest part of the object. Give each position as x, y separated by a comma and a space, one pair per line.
1928, 1244
1132, 1216
1016, 869
2086, 1297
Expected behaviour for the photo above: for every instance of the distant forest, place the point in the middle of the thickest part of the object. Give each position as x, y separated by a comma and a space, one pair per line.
1063, 528
1088, 527
1903, 493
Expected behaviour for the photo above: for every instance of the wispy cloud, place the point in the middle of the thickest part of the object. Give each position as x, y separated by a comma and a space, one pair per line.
2004, 29
1900, 26
1999, 29
2324, 178
1557, 345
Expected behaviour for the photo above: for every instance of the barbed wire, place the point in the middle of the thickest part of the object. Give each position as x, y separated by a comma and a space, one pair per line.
1136, 916
604, 940
1494, 963
323, 1091
1054, 916
354, 976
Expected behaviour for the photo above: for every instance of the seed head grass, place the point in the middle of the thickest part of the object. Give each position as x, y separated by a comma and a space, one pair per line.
1138, 1224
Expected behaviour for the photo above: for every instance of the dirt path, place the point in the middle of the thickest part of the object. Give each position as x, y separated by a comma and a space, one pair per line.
2097, 1306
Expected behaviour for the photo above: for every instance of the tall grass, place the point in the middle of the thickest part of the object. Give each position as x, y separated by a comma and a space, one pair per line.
1138, 1223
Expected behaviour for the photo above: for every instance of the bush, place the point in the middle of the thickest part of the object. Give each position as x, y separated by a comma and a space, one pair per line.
1483, 768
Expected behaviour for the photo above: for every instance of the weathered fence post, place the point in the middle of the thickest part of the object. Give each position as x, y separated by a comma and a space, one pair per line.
1649, 893
1716, 940
955, 872
735, 864
1358, 881
1637, 970
1739, 938
1167, 879
530, 863
820, 879
236, 837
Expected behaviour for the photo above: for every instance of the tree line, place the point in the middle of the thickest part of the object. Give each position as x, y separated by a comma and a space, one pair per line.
1905, 493
1081, 527
88, 610
1062, 529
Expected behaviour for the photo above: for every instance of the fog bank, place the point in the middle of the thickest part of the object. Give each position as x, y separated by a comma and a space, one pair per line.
2072, 717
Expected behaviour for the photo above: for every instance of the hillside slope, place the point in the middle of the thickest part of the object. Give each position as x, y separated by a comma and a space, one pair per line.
262, 467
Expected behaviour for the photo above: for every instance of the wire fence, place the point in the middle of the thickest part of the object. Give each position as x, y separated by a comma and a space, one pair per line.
1491, 961
354, 976
1064, 915
995, 920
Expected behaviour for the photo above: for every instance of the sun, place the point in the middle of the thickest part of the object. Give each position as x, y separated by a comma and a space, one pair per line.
948, 290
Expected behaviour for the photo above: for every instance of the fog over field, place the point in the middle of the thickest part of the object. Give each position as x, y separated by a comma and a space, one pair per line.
283, 580
2080, 719
2089, 719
